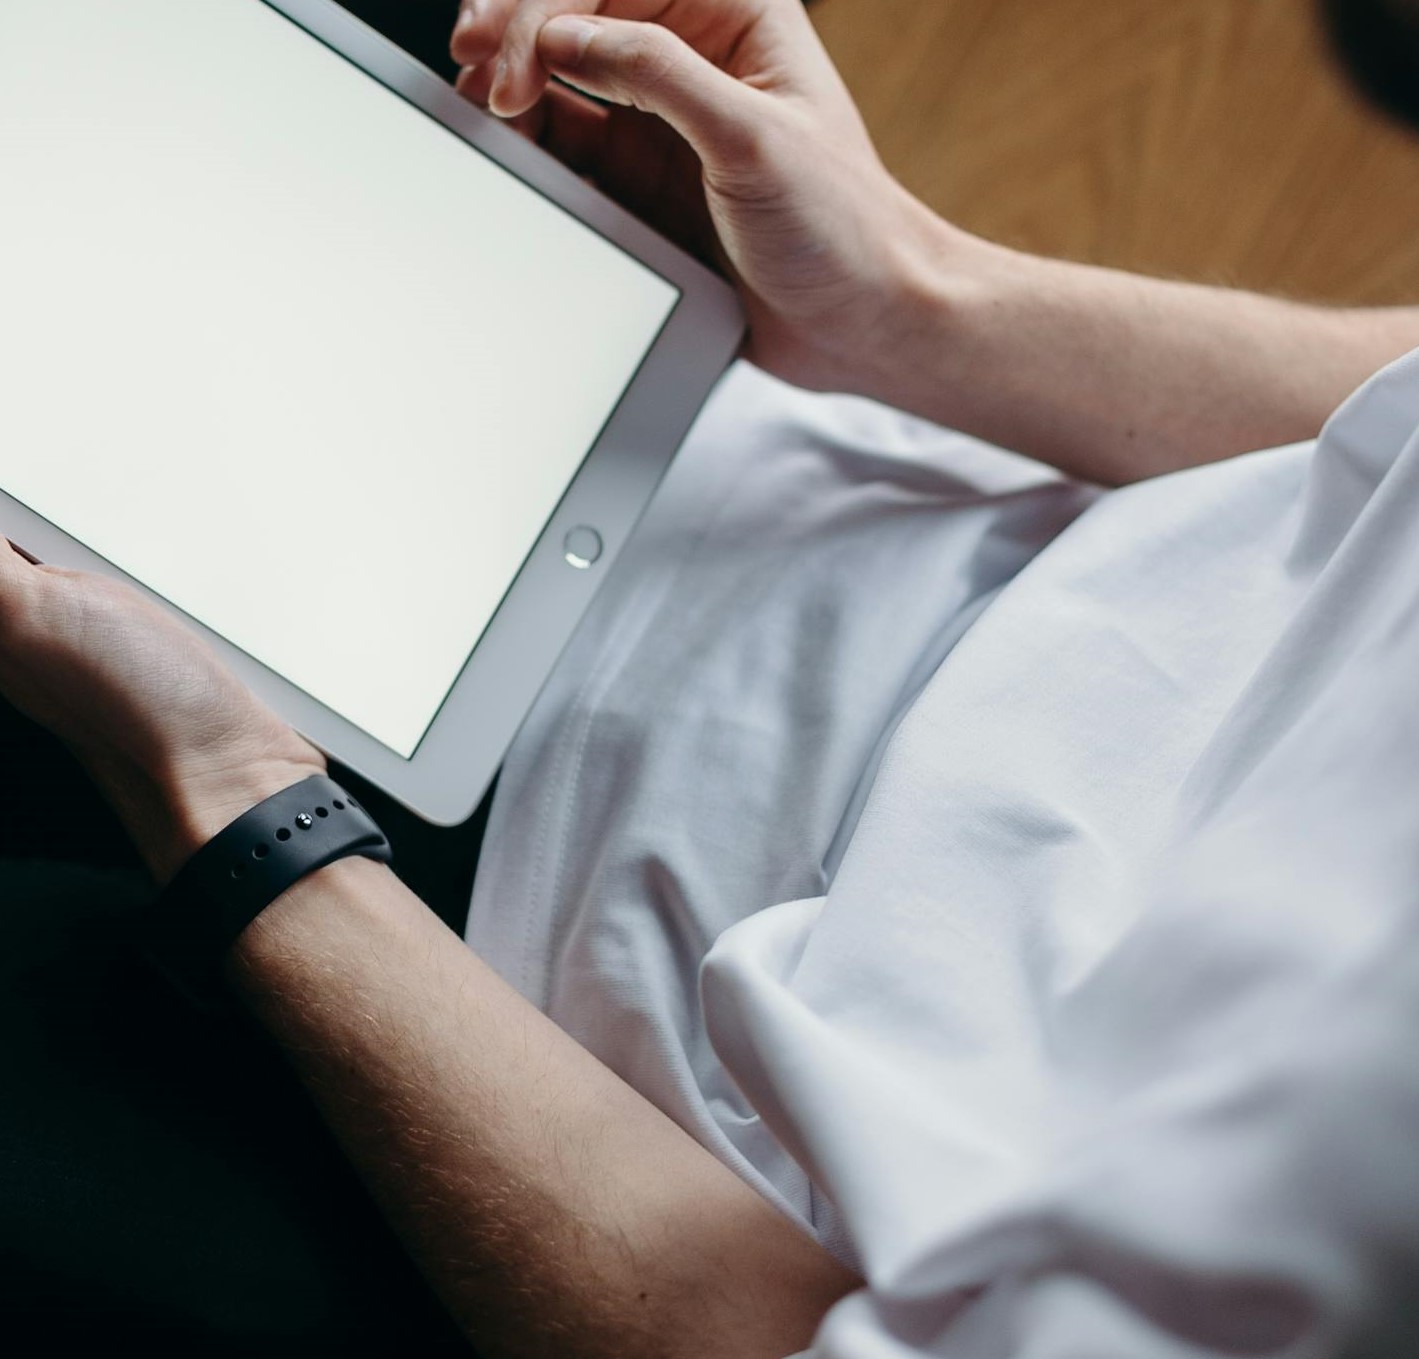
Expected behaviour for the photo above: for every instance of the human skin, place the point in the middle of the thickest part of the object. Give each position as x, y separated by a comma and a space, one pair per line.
730, 116
554, 1209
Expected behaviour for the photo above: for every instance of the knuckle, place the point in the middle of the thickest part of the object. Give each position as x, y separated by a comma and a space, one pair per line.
521, 32
651, 59
528, 21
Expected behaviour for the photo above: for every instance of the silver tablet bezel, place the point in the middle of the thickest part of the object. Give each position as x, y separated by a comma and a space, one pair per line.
463, 748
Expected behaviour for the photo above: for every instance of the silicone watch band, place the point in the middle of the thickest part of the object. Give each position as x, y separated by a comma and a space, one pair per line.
243, 869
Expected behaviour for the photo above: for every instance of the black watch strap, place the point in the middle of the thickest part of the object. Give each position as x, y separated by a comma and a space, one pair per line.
239, 873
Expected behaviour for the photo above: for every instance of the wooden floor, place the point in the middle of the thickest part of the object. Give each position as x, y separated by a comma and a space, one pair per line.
1206, 139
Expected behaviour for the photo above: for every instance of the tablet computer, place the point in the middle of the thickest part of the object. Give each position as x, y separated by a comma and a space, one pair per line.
361, 383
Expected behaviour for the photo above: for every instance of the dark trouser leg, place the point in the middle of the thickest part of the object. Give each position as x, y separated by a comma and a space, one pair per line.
163, 1179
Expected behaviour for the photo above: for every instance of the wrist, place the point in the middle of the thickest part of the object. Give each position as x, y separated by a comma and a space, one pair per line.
201, 804
173, 811
944, 286
257, 861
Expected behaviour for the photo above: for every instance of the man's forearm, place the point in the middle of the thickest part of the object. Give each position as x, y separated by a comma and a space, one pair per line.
1114, 377
553, 1208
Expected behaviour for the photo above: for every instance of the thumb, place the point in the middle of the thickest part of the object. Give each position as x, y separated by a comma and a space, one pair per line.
647, 66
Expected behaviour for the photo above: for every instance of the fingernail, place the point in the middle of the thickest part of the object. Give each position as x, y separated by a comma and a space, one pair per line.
563, 41
499, 86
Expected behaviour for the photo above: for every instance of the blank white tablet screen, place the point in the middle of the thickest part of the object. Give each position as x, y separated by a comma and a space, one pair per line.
281, 347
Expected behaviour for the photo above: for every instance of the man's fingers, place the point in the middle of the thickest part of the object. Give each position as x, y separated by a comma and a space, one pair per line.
646, 66
478, 31
569, 125
520, 77
474, 82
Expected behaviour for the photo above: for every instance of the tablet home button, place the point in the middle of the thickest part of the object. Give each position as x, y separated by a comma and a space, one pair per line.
583, 547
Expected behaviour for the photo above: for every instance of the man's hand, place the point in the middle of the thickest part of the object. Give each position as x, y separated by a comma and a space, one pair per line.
177, 744
551, 1206
732, 132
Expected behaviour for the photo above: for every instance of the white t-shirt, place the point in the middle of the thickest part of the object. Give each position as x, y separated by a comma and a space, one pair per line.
1018, 885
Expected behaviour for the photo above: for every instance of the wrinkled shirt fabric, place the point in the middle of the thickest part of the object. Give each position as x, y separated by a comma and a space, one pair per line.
1018, 884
